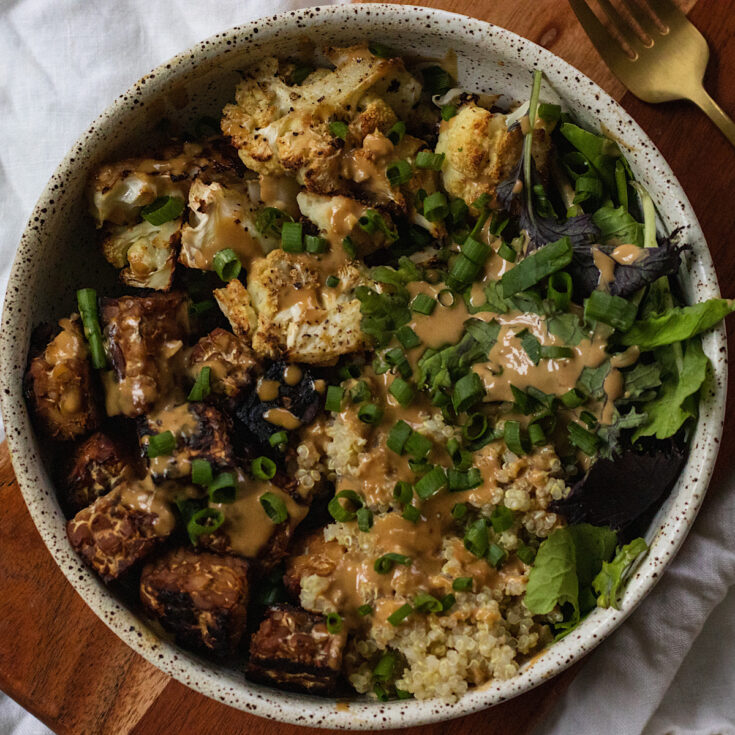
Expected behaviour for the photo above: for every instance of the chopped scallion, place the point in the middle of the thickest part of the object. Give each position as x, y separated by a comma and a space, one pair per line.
346, 511
274, 507
398, 173
385, 563
429, 160
226, 264
339, 129
397, 617
462, 584
402, 391
334, 623
431, 483
370, 413
201, 388
162, 210
333, 401
396, 133
263, 468
423, 304
160, 445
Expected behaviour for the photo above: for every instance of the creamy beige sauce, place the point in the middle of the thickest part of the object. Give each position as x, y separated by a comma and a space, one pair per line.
292, 374
145, 496
246, 524
613, 388
627, 358
628, 254
182, 423
606, 265
280, 192
267, 389
368, 165
282, 417
343, 216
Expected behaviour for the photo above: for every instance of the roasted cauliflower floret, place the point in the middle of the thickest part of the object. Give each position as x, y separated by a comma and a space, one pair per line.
481, 151
221, 217
338, 217
299, 319
281, 129
59, 384
235, 303
119, 190
200, 597
230, 360
146, 252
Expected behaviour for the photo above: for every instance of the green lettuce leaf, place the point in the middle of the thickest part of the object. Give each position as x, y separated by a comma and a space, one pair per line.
677, 324
608, 584
565, 565
641, 380
674, 403
592, 380
617, 226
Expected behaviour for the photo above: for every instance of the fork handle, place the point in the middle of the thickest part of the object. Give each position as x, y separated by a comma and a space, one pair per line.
715, 113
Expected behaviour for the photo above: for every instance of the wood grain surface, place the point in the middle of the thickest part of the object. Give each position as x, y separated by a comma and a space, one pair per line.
64, 665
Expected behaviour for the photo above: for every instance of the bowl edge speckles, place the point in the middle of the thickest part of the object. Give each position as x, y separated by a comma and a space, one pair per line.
32, 295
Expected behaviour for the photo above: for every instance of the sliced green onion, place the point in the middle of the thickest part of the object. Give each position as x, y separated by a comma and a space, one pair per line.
446, 298
402, 391
162, 210
270, 221
462, 584
417, 445
502, 518
526, 553
547, 111
458, 211
425, 603
462, 272
339, 129
201, 388
513, 439
536, 266
436, 80
411, 513
589, 418
475, 539
431, 483
87, 304
346, 511
332, 281
448, 602
468, 390
360, 392
403, 492
349, 247
536, 434
495, 554
621, 184
161, 444
364, 610
222, 488
613, 310
436, 207
204, 521
559, 290
407, 337
334, 623
315, 244
385, 563
201, 472
583, 439
506, 252
476, 427
380, 692
370, 413
292, 237
573, 398
459, 511
423, 304
397, 617
364, 519
197, 308
522, 400
274, 507
226, 264
556, 352
349, 371
398, 437
399, 172
384, 669
429, 160
461, 480
378, 49
396, 133
475, 250
448, 111
263, 468
278, 439
333, 401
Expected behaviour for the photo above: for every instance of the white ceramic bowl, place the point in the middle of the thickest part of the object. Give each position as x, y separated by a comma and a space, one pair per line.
57, 255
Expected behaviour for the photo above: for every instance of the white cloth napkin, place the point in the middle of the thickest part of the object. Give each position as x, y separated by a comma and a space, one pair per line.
669, 669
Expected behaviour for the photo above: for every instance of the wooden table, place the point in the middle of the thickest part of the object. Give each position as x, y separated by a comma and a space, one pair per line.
64, 665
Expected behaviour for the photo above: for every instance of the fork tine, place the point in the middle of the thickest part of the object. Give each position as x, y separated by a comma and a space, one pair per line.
627, 33
606, 45
667, 12
643, 19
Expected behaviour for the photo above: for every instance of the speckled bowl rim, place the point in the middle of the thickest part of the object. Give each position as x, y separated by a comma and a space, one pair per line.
223, 684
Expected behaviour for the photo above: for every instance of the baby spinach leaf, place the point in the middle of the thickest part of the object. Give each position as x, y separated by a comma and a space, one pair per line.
592, 380
618, 226
608, 584
671, 408
677, 324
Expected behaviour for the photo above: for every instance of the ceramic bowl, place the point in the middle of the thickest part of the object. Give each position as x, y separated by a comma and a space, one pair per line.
57, 255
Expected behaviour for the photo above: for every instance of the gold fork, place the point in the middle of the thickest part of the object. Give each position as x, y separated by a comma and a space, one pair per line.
662, 56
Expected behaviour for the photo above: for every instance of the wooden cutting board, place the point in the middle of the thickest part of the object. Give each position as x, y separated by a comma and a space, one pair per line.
64, 665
